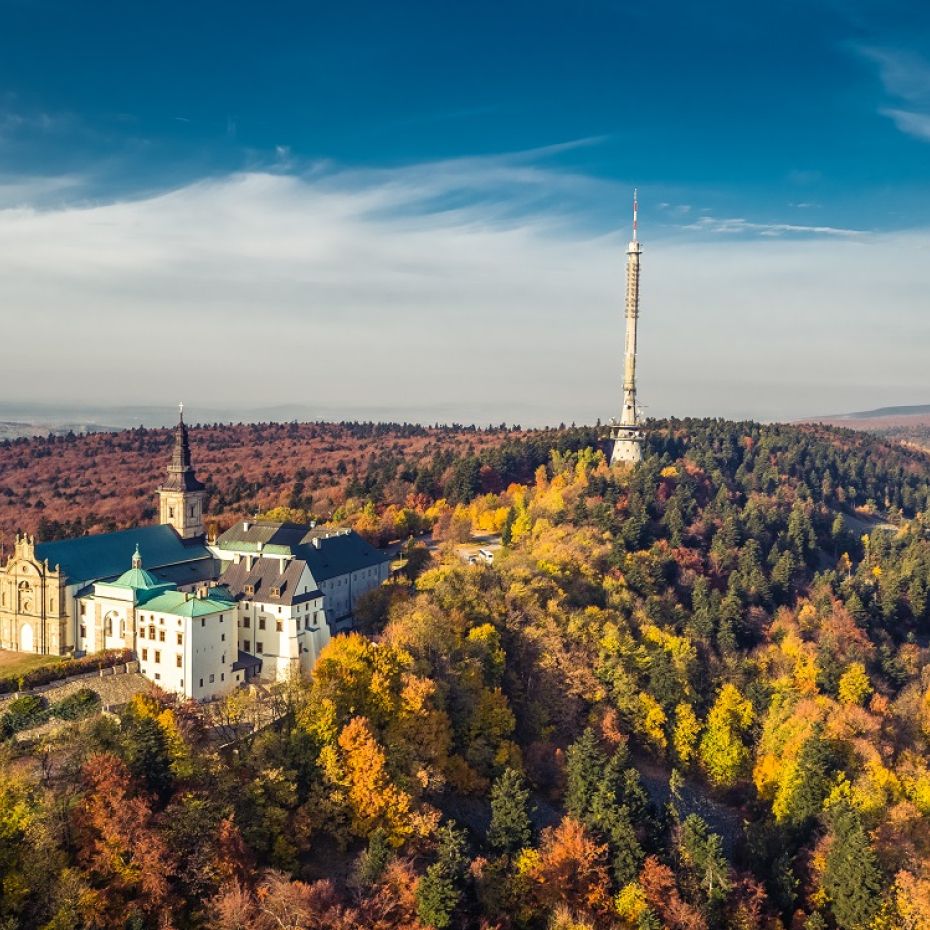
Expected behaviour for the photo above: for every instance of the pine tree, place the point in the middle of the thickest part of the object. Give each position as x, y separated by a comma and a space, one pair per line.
510, 827
585, 764
852, 878
440, 890
149, 759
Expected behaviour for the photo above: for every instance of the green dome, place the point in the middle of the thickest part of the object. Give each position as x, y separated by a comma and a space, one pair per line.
137, 577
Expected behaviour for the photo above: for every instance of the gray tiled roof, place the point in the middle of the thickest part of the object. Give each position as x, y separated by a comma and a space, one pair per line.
264, 576
328, 551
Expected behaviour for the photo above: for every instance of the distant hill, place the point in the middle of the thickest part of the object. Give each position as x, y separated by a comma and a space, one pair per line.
906, 423
913, 410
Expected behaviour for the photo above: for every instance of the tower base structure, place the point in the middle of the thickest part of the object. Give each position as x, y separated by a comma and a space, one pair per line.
625, 443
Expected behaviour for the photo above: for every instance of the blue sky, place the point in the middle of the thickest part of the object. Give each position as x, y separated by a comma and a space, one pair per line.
400, 148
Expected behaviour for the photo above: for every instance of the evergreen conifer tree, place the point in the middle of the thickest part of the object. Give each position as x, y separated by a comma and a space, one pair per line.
510, 828
852, 878
439, 892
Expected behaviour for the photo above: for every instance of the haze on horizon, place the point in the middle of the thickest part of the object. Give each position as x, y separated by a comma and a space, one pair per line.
422, 213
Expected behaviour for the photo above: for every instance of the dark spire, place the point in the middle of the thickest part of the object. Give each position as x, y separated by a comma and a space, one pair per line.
181, 475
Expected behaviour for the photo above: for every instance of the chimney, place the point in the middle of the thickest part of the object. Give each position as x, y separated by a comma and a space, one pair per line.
237, 558
316, 542
283, 565
245, 526
259, 545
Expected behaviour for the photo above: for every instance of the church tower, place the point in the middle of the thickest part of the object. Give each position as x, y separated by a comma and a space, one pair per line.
181, 497
626, 437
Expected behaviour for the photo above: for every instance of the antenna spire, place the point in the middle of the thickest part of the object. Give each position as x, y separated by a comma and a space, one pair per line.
635, 211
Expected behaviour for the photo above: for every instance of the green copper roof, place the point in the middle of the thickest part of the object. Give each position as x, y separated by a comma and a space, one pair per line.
137, 578
180, 604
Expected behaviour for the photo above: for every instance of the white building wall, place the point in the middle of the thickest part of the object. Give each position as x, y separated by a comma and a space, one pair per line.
192, 656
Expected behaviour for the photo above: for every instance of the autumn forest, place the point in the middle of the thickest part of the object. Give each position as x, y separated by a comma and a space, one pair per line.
690, 695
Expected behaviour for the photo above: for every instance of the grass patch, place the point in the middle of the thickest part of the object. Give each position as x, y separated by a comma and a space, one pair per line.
18, 663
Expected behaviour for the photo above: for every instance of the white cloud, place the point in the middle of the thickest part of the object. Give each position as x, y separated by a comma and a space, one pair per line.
905, 76
739, 225
914, 124
467, 288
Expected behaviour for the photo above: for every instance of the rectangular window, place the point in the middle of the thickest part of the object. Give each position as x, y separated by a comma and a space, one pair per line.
258, 647
246, 622
223, 659
250, 589
261, 623
246, 644
177, 661
145, 655
83, 610
203, 621
212, 678
222, 676
161, 636
180, 639
83, 632
201, 682
279, 625
157, 656
157, 676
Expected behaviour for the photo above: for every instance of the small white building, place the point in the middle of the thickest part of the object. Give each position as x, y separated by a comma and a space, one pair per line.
188, 643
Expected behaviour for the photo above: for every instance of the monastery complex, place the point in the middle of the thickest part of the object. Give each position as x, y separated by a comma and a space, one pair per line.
201, 615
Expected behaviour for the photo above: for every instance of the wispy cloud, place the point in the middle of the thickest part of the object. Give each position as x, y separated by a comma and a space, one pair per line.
905, 77
914, 124
738, 225
378, 289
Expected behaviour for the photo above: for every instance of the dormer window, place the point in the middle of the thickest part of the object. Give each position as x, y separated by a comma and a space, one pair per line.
250, 589
276, 591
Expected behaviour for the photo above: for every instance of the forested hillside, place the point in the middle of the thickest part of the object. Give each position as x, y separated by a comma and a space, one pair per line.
67, 485
694, 695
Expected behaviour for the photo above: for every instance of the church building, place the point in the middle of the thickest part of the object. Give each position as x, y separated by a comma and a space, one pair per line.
44, 587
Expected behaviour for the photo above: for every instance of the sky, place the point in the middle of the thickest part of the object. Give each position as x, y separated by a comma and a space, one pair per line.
421, 210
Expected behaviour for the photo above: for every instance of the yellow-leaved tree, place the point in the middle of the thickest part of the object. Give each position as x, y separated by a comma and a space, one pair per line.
724, 755
854, 686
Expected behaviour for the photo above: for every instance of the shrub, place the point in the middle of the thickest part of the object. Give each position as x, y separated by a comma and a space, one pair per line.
77, 705
65, 669
23, 712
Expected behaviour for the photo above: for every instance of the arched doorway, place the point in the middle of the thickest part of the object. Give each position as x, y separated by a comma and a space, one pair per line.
26, 643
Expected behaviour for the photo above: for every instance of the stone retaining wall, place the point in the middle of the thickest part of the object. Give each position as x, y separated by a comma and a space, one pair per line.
108, 679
